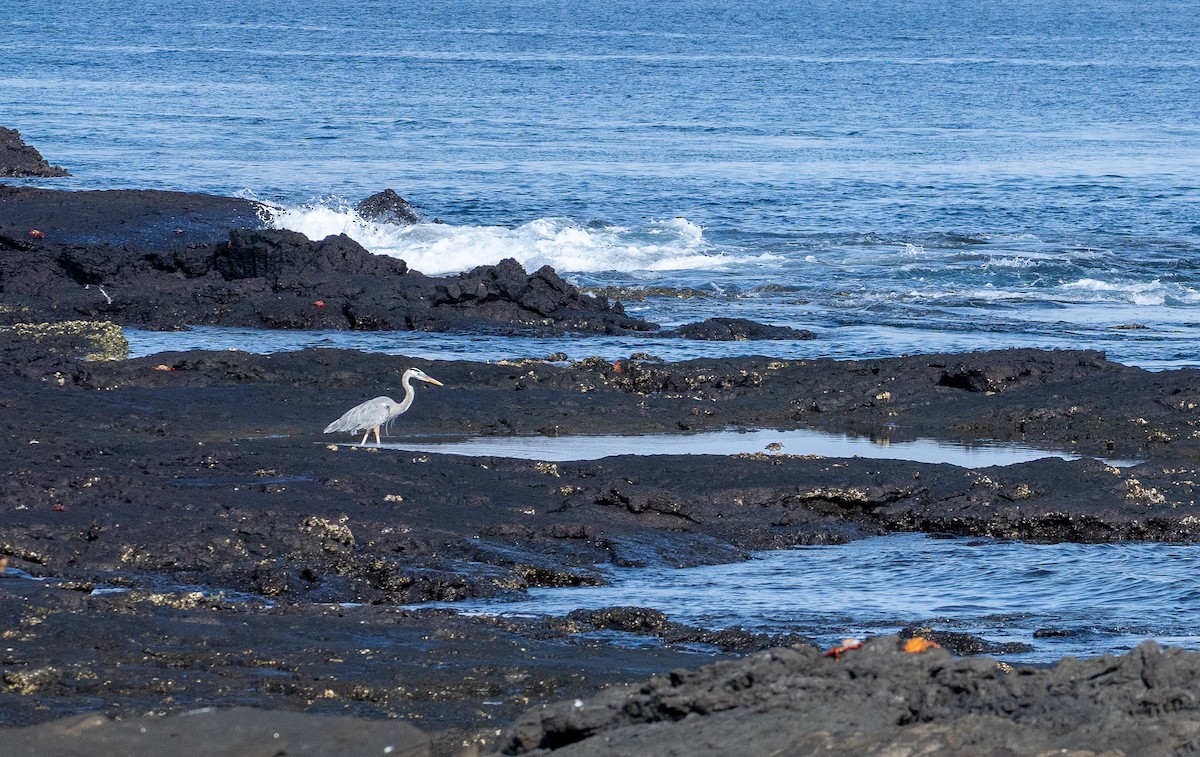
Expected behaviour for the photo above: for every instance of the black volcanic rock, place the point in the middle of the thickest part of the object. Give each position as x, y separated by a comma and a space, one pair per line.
272, 253
134, 219
18, 159
206, 732
737, 329
387, 207
542, 292
880, 700
175, 471
965, 644
272, 278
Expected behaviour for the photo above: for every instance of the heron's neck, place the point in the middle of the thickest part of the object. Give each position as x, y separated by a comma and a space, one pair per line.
409, 392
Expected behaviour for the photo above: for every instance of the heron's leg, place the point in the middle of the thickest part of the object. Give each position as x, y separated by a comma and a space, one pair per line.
364, 439
377, 442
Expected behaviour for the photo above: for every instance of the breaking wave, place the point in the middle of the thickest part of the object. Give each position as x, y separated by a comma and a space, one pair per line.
1137, 293
674, 244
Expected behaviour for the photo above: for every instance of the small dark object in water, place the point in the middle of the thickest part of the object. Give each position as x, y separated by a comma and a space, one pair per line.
1052, 633
737, 330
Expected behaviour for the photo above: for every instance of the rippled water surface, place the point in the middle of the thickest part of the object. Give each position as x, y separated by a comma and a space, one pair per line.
1095, 598
899, 177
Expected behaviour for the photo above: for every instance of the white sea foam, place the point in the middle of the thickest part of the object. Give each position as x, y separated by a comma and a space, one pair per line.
669, 245
1152, 292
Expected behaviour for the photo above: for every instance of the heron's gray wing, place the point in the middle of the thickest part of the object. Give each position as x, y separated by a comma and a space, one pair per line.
362, 417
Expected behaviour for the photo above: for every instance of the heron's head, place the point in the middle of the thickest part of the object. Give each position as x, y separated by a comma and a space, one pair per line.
419, 374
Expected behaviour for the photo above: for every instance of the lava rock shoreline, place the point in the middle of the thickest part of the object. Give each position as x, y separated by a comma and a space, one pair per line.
259, 562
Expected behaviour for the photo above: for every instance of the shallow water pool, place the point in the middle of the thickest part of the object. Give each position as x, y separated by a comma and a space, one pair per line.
731, 442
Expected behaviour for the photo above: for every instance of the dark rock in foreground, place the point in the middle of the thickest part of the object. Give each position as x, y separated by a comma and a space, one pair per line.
18, 159
879, 700
237, 732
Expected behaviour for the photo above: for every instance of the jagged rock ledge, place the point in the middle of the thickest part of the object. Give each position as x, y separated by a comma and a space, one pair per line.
19, 160
879, 699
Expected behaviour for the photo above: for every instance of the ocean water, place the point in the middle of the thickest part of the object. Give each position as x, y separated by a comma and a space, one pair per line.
899, 177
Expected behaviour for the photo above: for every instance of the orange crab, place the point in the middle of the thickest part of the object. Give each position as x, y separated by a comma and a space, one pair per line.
845, 646
916, 645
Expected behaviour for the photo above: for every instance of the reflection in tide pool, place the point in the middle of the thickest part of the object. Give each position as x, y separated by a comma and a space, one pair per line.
795, 442
1092, 598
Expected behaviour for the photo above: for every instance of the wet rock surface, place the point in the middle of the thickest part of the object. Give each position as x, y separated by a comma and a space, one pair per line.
40, 349
267, 278
207, 732
18, 159
736, 330
259, 564
880, 700
146, 653
116, 223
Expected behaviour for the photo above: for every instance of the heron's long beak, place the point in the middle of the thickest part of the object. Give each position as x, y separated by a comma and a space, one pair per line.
431, 380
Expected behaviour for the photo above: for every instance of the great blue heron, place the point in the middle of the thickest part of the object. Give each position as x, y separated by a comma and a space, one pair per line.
372, 414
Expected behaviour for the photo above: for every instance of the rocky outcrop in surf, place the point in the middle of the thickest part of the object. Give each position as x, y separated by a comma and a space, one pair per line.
387, 207
737, 330
269, 278
19, 160
167, 260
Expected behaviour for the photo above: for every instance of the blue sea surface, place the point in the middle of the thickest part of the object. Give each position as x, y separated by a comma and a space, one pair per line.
897, 176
